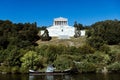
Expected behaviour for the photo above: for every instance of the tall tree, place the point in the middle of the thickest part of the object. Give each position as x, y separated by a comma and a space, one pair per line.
78, 28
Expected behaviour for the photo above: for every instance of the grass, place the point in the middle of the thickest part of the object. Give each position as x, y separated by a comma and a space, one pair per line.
77, 42
67, 42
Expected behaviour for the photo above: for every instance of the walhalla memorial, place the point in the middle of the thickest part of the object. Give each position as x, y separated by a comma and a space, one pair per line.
61, 29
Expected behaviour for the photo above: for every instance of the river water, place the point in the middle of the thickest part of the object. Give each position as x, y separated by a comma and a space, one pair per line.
115, 76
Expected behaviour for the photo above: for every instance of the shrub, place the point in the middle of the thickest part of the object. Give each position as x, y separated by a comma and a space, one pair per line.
117, 57
24, 70
86, 49
105, 49
45, 36
86, 67
63, 62
15, 69
95, 42
114, 67
31, 60
98, 58
5, 69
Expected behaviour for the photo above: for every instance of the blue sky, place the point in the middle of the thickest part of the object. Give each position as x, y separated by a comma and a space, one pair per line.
43, 12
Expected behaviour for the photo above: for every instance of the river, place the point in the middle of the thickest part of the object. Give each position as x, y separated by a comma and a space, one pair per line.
112, 76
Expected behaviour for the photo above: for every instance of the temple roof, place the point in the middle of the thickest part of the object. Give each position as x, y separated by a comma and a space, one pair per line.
60, 19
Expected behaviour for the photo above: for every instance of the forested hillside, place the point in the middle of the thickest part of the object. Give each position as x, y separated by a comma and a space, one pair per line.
21, 49
18, 35
15, 38
104, 32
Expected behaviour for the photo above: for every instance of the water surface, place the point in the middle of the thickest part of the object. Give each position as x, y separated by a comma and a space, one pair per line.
61, 77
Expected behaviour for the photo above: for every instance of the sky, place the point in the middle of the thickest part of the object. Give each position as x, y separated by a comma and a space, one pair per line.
43, 12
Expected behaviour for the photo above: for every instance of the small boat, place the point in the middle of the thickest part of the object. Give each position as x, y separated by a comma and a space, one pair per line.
49, 73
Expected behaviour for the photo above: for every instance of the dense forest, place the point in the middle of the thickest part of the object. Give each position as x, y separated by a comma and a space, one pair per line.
19, 51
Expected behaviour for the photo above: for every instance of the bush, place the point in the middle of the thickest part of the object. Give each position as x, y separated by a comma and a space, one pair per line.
105, 49
15, 69
5, 69
98, 58
63, 62
85, 67
45, 36
96, 42
24, 70
114, 67
31, 60
86, 49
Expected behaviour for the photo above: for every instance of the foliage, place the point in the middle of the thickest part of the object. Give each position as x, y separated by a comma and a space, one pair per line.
45, 36
78, 27
86, 49
15, 69
49, 52
31, 59
6, 69
19, 51
20, 35
114, 67
105, 49
117, 57
15, 40
86, 67
63, 62
98, 58
104, 32
95, 42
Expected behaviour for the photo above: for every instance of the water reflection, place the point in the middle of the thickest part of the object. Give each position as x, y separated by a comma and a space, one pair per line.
67, 77
49, 77
31, 77
112, 76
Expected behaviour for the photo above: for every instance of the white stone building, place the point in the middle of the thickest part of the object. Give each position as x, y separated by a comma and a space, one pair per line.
61, 29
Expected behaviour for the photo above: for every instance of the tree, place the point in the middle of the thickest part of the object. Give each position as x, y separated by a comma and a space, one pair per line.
31, 60
78, 28
63, 62
3, 43
20, 35
45, 36
13, 56
108, 31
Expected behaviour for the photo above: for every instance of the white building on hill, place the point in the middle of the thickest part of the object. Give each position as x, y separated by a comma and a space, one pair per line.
61, 28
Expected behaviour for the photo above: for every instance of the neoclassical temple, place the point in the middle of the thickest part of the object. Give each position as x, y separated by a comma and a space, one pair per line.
60, 21
61, 29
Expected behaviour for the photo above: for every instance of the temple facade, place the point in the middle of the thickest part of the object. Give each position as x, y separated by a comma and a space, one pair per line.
61, 29
60, 21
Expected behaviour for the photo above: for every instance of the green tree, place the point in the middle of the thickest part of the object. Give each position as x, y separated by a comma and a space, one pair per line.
31, 60
107, 31
78, 28
63, 62
45, 36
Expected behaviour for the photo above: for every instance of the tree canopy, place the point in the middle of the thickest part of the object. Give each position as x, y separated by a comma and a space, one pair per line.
104, 32
21, 35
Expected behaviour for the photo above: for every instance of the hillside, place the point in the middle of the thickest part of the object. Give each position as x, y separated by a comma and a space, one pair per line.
67, 42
